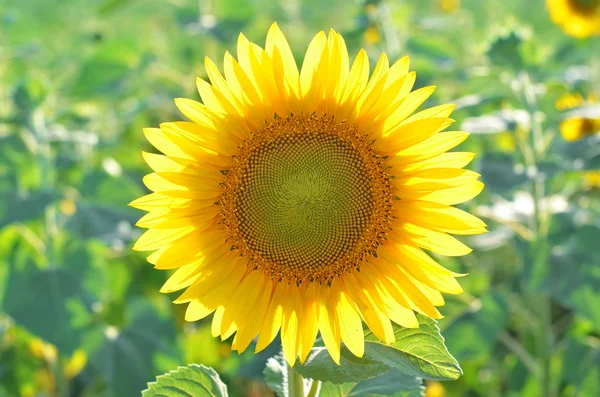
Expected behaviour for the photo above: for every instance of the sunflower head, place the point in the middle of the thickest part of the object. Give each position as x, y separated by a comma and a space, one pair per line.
575, 128
299, 201
578, 18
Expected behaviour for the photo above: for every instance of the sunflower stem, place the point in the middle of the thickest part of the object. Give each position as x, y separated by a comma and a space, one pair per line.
295, 383
314, 389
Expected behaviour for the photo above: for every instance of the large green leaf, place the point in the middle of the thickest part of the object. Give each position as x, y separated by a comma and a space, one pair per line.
581, 367
194, 380
20, 208
394, 384
418, 352
574, 279
127, 357
48, 302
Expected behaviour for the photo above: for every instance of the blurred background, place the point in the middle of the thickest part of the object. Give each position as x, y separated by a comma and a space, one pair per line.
80, 313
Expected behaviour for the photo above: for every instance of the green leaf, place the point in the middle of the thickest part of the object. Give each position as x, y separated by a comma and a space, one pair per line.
581, 367
276, 375
394, 384
574, 279
418, 352
19, 208
505, 50
193, 380
474, 334
501, 174
127, 357
42, 302
329, 389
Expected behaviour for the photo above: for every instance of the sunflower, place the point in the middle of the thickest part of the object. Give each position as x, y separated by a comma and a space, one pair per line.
575, 128
300, 201
578, 18
592, 179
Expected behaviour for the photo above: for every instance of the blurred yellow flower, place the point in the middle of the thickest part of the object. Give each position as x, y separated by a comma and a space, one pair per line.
575, 128
75, 364
592, 179
278, 204
450, 5
372, 35
45, 381
505, 141
578, 18
42, 350
435, 389
67, 206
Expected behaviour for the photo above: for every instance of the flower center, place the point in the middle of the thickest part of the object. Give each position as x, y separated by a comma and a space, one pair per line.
306, 198
585, 6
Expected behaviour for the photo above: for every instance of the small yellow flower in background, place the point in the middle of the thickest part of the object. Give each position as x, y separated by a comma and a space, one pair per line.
592, 179
450, 5
372, 35
67, 206
435, 389
299, 201
576, 128
44, 381
578, 18
42, 350
75, 364
505, 142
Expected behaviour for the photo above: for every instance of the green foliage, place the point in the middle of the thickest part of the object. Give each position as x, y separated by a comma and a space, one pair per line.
276, 375
80, 79
474, 333
193, 380
394, 383
418, 352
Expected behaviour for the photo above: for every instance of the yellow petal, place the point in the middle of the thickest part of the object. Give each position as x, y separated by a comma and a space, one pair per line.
284, 65
351, 330
197, 311
329, 325
272, 320
410, 133
290, 326
439, 217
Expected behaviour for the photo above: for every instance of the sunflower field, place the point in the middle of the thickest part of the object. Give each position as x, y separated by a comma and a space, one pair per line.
308, 217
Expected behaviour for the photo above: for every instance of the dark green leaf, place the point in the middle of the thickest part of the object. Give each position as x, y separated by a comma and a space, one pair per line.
574, 281
505, 50
501, 174
581, 367
125, 357
20, 208
49, 302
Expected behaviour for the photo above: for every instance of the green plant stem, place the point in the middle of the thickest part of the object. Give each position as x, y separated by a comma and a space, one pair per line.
295, 383
539, 250
314, 389
518, 349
